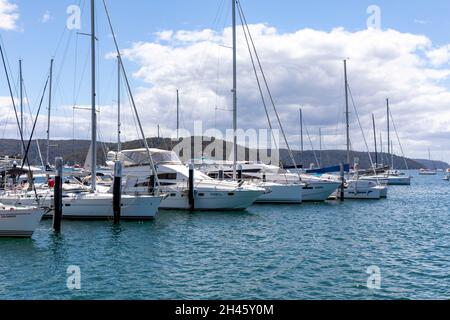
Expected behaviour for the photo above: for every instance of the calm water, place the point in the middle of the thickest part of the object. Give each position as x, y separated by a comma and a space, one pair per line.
311, 251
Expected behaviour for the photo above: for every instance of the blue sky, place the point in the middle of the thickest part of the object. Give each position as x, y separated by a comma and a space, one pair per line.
35, 41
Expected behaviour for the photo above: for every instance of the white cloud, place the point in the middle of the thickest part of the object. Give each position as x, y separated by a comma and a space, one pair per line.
303, 68
46, 17
8, 15
439, 56
419, 21
165, 35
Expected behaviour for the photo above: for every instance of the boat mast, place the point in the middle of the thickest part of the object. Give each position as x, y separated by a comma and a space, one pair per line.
178, 115
93, 111
320, 147
347, 120
119, 123
301, 131
381, 150
47, 158
234, 91
388, 128
375, 139
22, 151
392, 154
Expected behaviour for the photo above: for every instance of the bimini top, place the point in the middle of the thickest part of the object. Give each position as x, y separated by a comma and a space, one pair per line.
139, 157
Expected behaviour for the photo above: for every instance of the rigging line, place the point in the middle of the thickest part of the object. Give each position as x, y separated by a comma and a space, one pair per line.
11, 74
75, 71
259, 86
82, 78
267, 85
17, 117
64, 59
398, 138
257, 78
35, 121
312, 145
65, 30
6, 123
340, 115
362, 130
152, 165
133, 117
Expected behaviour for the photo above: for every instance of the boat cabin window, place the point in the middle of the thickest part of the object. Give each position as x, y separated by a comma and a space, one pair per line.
140, 157
167, 176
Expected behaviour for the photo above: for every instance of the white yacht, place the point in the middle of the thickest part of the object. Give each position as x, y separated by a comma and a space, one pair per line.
173, 177
447, 175
280, 193
357, 188
84, 204
363, 189
313, 188
392, 178
20, 222
427, 172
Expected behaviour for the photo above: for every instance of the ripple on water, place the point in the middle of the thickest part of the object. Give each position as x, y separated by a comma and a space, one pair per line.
308, 251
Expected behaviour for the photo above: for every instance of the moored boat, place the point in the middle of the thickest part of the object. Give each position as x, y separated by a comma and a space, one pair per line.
21, 222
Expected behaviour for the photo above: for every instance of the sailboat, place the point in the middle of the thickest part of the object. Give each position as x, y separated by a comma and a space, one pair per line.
94, 204
16, 221
389, 176
19, 222
173, 177
428, 171
355, 188
286, 187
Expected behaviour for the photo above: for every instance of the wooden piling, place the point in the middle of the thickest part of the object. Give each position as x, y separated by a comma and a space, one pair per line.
342, 181
57, 196
191, 187
117, 191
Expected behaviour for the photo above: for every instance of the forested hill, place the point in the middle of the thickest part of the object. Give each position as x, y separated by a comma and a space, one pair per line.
75, 151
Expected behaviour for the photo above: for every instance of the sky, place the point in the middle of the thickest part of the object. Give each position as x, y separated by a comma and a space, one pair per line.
174, 44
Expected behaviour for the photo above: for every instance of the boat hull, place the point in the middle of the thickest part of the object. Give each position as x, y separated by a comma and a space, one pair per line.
279, 193
391, 180
370, 194
98, 206
236, 200
19, 223
319, 191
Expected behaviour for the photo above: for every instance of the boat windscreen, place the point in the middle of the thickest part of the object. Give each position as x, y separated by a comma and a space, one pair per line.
141, 157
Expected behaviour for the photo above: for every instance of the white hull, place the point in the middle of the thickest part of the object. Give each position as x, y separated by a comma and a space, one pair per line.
209, 194
319, 191
371, 194
281, 193
19, 222
427, 172
98, 206
391, 180
363, 190
211, 200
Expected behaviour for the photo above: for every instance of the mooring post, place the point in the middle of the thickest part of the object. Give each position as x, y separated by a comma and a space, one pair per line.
117, 191
152, 184
239, 173
191, 187
57, 196
342, 181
